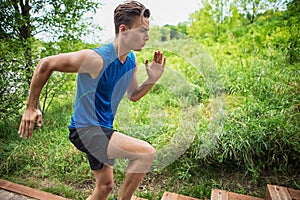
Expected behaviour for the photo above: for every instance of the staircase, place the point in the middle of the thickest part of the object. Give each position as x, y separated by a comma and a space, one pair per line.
9, 191
273, 192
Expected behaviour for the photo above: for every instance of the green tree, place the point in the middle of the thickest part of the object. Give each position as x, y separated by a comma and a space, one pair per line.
252, 8
202, 23
235, 19
165, 33
155, 33
181, 27
174, 31
21, 22
60, 18
293, 15
220, 14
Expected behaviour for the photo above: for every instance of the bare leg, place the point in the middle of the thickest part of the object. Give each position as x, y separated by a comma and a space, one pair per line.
104, 183
141, 155
131, 183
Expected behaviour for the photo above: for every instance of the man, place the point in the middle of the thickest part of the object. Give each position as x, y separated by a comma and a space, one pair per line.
104, 75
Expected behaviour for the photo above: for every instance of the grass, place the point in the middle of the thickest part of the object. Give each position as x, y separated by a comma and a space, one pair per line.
239, 142
46, 161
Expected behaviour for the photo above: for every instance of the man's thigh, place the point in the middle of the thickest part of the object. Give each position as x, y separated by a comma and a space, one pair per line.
123, 146
94, 142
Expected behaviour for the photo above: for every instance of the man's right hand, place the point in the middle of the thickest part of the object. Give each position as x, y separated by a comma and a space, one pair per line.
30, 116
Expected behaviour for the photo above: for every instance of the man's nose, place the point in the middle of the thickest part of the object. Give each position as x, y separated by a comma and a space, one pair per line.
147, 36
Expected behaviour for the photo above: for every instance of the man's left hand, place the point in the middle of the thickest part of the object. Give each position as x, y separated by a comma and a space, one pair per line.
157, 67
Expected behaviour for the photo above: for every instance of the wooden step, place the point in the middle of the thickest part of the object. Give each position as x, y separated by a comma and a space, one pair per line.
275, 192
137, 198
174, 196
7, 195
27, 191
225, 195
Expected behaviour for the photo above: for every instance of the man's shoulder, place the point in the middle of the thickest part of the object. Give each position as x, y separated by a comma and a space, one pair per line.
104, 48
107, 52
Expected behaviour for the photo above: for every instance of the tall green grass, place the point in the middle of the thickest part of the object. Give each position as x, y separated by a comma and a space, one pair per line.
203, 141
47, 161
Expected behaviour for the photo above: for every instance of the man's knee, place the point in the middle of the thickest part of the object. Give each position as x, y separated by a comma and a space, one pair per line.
151, 153
143, 160
104, 180
105, 186
148, 155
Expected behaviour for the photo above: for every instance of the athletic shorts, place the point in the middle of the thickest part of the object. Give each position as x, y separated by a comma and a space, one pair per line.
94, 142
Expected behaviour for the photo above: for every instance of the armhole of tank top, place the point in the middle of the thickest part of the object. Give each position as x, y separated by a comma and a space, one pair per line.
104, 62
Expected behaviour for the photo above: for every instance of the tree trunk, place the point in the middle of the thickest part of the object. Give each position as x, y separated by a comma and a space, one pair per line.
22, 8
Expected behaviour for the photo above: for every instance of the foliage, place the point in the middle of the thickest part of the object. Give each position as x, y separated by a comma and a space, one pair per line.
202, 18
20, 22
12, 75
251, 9
226, 141
168, 32
260, 131
294, 31
47, 160
56, 19
59, 83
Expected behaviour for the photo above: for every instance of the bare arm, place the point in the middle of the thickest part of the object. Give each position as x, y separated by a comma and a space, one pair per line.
154, 71
84, 61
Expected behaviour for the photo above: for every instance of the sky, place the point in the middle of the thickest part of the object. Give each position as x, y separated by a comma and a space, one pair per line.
162, 12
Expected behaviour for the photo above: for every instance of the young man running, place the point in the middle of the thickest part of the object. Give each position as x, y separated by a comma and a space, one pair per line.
104, 75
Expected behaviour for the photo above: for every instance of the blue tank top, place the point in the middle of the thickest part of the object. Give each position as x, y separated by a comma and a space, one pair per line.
97, 99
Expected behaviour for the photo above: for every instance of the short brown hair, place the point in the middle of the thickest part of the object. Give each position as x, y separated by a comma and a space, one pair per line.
126, 13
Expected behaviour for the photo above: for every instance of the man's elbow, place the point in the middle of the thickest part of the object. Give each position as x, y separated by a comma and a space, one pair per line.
44, 66
133, 99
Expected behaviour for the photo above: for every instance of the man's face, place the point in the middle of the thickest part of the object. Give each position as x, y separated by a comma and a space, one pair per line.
136, 37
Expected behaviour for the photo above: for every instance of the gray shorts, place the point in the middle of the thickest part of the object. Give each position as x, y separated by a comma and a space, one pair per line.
94, 142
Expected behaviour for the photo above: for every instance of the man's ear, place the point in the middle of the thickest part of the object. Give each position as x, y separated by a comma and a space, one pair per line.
122, 28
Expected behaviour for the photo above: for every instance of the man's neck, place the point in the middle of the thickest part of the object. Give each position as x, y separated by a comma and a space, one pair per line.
121, 52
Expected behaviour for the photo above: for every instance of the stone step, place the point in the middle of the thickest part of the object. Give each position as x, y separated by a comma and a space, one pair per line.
225, 195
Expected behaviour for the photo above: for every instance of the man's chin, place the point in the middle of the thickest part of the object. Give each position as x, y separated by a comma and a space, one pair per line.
140, 47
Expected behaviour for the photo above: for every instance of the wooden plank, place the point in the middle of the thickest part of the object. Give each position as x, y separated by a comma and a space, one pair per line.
174, 196
4, 194
18, 197
27, 191
275, 192
219, 194
295, 194
183, 197
137, 198
169, 196
225, 195
7, 195
235, 196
